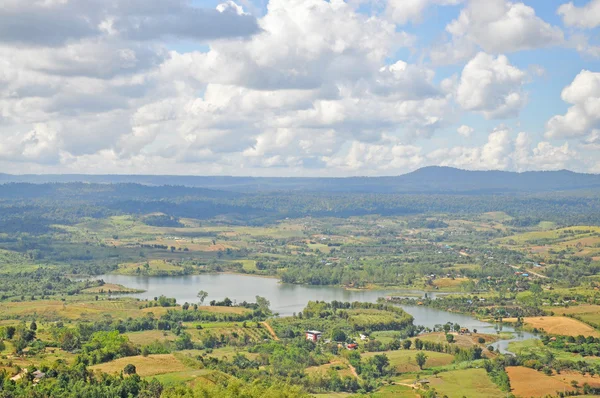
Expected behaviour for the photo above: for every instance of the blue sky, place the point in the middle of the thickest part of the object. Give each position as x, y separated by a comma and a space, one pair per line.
300, 87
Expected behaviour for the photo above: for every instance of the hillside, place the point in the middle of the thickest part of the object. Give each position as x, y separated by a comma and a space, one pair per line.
425, 180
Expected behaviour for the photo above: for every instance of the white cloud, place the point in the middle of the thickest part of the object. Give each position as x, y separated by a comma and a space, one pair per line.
503, 152
312, 85
465, 131
544, 156
364, 158
496, 26
493, 86
39, 145
494, 155
584, 114
587, 16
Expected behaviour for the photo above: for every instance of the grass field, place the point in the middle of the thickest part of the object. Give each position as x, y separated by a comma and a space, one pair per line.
341, 368
155, 267
559, 325
149, 336
536, 347
394, 391
404, 360
449, 283
526, 382
459, 340
587, 312
110, 287
465, 383
146, 366
224, 310
175, 378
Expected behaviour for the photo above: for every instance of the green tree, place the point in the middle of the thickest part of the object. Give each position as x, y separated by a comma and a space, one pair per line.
406, 344
263, 304
338, 335
421, 359
418, 344
450, 338
202, 296
129, 369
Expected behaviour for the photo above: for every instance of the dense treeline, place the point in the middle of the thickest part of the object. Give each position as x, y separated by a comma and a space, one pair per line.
35, 208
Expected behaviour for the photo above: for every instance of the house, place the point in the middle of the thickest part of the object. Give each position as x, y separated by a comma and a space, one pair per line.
464, 331
363, 337
38, 375
352, 346
313, 335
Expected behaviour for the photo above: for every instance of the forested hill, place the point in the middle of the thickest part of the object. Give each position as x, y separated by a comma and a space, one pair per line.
425, 180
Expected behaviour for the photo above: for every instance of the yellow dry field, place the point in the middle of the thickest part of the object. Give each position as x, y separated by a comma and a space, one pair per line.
145, 366
225, 310
86, 310
559, 325
150, 336
568, 376
526, 382
448, 282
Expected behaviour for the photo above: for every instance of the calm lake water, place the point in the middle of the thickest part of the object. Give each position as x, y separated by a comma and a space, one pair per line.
288, 299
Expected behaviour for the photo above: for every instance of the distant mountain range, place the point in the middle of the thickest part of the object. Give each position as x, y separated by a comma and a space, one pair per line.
426, 180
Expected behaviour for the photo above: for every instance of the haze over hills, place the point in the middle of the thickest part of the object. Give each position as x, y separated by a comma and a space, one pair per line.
425, 180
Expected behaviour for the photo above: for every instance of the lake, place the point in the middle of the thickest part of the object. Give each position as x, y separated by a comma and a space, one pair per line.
287, 299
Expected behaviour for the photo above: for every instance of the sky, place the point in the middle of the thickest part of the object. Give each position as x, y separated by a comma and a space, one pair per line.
298, 87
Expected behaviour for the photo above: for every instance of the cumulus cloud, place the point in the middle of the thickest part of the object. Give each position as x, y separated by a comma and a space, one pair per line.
587, 16
494, 154
465, 131
543, 156
315, 86
503, 152
372, 158
584, 114
493, 86
496, 26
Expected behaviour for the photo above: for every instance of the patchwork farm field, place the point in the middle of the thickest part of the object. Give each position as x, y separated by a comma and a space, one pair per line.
145, 366
559, 325
465, 383
526, 382
53, 310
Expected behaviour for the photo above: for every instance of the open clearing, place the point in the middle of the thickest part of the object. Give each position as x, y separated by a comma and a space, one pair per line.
463, 341
89, 310
567, 376
395, 391
465, 383
341, 368
404, 360
145, 366
587, 312
559, 325
526, 382
150, 336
